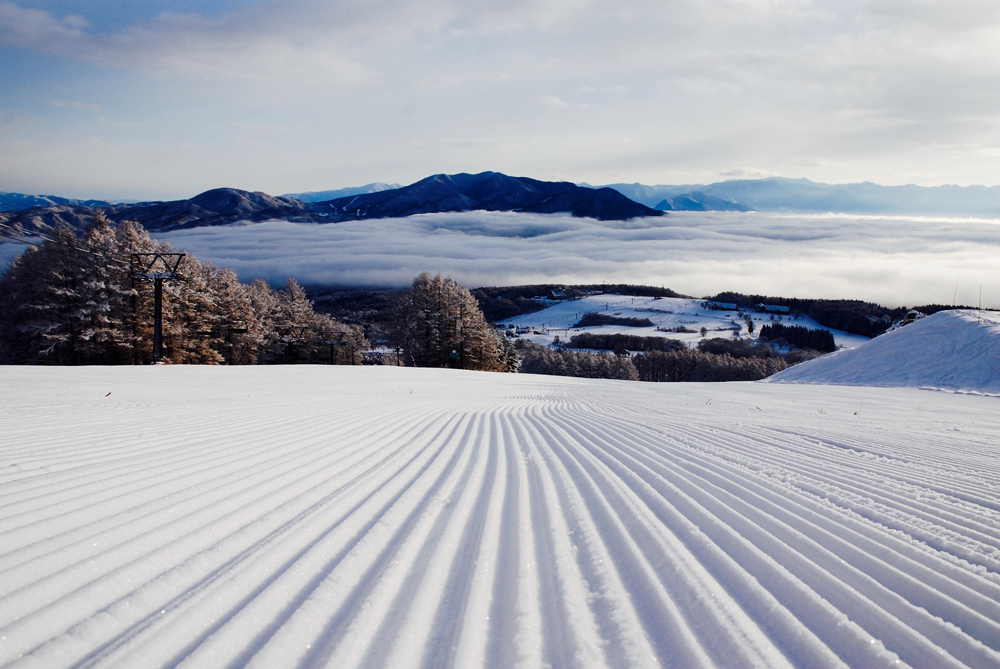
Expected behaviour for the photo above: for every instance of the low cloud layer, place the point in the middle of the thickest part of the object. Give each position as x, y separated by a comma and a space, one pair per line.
890, 260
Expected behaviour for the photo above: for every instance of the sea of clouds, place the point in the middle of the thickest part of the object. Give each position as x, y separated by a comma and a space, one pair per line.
890, 260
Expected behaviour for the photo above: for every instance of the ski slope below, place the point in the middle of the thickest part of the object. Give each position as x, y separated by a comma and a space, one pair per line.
950, 350
346, 517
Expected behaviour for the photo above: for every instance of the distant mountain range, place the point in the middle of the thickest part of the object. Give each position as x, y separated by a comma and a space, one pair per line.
220, 206
19, 201
777, 194
493, 191
698, 201
489, 191
325, 195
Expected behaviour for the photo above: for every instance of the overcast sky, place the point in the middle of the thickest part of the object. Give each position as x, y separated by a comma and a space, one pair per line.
165, 99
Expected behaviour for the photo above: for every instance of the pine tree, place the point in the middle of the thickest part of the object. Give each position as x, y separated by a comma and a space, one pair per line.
438, 323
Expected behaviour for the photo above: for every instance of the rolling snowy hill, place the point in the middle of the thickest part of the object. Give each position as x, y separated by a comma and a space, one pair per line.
951, 350
343, 517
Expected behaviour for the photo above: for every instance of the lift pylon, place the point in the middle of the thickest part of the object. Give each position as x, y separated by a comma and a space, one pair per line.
156, 267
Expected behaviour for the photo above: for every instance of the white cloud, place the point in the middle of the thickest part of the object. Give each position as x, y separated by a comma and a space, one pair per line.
77, 105
889, 260
24, 27
745, 173
554, 101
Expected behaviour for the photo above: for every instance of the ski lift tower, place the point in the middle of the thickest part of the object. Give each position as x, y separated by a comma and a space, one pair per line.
341, 340
156, 267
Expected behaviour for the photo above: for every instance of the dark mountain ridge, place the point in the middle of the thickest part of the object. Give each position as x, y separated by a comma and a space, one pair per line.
490, 191
218, 206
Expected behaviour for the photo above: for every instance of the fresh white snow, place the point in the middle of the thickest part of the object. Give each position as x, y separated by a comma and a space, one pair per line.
950, 350
665, 313
341, 517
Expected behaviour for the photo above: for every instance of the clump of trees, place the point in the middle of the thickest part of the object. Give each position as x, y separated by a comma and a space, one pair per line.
73, 300
799, 336
661, 359
855, 316
737, 348
748, 348
613, 342
437, 323
676, 364
592, 318
538, 359
696, 365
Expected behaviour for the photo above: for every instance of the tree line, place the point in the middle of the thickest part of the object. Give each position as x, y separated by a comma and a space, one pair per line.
73, 300
538, 359
713, 360
799, 336
855, 316
592, 318
677, 365
619, 342
697, 365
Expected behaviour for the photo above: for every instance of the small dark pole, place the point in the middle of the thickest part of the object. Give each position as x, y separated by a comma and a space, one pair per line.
230, 331
342, 341
157, 320
461, 336
156, 267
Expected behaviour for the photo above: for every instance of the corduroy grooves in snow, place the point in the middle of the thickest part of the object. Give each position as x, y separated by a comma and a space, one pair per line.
386, 517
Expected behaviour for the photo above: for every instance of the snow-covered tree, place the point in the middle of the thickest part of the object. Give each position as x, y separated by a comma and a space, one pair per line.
437, 323
73, 300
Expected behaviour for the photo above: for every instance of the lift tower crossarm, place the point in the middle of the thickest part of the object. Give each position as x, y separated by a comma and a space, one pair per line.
156, 267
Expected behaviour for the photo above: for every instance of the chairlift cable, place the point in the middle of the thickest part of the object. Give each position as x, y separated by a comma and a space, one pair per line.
55, 241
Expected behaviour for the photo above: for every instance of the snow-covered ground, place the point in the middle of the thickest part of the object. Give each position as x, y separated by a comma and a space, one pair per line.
950, 350
665, 313
338, 516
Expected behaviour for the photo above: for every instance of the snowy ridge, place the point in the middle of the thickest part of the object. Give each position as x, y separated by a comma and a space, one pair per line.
314, 516
950, 350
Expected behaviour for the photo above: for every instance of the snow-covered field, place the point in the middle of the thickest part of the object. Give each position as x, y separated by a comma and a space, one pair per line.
338, 516
665, 313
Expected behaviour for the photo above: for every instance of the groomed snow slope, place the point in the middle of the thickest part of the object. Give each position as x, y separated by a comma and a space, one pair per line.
950, 350
316, 516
